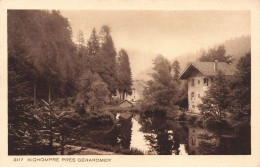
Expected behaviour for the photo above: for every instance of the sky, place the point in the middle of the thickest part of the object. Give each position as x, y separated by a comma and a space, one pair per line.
145, 33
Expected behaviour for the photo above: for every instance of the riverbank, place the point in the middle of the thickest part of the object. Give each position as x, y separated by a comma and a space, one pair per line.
78, 150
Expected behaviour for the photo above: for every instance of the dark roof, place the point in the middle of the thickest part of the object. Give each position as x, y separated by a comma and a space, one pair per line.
207, 69
126, 101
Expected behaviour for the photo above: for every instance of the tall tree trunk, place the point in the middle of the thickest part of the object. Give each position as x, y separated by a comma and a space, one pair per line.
49, 93
34, 94
62, 145
50, 123
123, 95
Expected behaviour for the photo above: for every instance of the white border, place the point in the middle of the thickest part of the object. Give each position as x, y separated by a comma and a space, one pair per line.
121, 160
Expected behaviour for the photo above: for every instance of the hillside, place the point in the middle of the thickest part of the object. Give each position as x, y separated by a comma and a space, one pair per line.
237, 47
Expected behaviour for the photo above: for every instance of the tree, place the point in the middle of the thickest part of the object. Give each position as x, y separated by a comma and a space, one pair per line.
80, 40
162, 68
124, 73
23, 126
216, 102
98, 94
176, 69
107, 60
241, 86
43, 39
93, 51
162, 90
216, 54
93, 90
81, 55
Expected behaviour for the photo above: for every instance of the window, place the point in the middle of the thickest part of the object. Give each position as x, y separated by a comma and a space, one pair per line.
192, 82
193, 106
192, 94
198, 82
198, 95
206, 81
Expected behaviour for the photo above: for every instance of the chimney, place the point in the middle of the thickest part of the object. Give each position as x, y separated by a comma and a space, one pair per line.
216, 65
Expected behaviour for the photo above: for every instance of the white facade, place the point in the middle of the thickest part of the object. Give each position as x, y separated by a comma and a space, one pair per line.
197, 86
134, 96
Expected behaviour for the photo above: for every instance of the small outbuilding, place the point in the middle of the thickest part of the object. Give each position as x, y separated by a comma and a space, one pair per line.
125, 104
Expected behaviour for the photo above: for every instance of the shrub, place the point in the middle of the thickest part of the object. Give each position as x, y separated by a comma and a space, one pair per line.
216, 125
80, 108
114, 101
192, 119
182, 117
199, 123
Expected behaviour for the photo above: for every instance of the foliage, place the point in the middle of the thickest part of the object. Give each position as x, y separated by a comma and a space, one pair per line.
81, 55
98, 95
230, 99
43, 39
241, 86
192, 119
218, 53
93, 46
23, 137
93, 90
182, 117
107, 59
124, 73
162, 90
57, 127
216, 102
176, 69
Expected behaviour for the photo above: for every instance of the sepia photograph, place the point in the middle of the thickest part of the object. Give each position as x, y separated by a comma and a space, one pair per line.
129, 82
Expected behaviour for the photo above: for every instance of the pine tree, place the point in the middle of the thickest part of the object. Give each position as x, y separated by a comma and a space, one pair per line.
93, 51
124, 73
81, 54
108, 59
241, 86
176, 69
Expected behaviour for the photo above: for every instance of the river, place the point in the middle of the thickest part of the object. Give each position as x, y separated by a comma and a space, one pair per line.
155, 136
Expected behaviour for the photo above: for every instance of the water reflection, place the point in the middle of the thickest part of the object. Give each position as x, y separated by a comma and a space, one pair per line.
150, 135
164, 137
138, 138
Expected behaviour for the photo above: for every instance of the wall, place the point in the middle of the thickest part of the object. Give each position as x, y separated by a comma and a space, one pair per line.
134, 97
199, 90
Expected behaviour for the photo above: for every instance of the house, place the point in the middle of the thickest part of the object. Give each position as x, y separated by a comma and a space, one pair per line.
125, 104
137, 92
199, 76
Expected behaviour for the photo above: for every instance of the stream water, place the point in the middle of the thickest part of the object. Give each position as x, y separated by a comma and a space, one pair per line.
161, 137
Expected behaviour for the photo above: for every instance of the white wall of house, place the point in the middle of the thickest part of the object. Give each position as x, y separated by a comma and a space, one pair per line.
197, 86
134, 97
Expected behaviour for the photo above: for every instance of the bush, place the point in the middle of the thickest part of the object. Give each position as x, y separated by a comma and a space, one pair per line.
80, 108
192, 119
199, 123
216, 125
114, 101
182, 117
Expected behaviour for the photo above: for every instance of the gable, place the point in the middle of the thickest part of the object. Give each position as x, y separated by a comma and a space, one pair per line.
191, 71
207, 69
